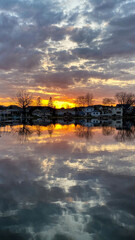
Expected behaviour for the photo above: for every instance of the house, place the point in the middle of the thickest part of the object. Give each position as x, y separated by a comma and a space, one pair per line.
117, 111
95, 114
70, 112
15, 112
106, 112
125, 108
95, 121
109, 122
37, 113
112, 111
42, 112
117, 123
79, 112
88, 124
88, 110
48, 112
10, 113
131, 111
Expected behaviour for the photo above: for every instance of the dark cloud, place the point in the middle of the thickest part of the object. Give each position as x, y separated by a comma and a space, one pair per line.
41, 12
20, 43
63, 57
68, 78
102, 10
83, 35
99, 32
9, 4
87, 53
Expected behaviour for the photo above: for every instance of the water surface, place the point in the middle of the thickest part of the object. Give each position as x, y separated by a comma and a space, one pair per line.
67, 182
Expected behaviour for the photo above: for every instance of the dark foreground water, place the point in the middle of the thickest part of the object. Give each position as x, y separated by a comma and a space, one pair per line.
67, 183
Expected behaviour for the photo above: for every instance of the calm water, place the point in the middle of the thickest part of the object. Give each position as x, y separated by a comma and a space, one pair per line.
67, 183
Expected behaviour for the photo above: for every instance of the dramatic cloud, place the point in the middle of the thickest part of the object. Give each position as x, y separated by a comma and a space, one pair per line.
58, 42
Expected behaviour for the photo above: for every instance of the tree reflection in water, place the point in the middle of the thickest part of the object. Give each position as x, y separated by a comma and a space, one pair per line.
50, 129
108, 130
124, 135
38, 128
24, 132
84, 132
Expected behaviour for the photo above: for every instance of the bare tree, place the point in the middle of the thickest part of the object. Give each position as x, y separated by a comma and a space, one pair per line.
89, 99
125, 98
39, 101
80, 101
108, 101
50, 102
83, 101
23, 99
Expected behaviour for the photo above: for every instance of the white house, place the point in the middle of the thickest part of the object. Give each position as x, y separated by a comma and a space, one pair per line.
112, 111
117, 123
88, 110
118, 111
95, 121
95, 114
88, 124
42, 112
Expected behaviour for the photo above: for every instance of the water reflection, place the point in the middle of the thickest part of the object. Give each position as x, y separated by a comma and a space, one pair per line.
81, 130
84, 132
124, 135
67, 182
107, 130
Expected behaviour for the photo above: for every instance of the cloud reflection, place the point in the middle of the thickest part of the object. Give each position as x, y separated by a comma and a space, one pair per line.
66, 187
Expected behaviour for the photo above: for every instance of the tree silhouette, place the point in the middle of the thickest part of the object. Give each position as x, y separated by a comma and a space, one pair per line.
125, 98
108, 101
50, 102
23, 99
39, 101
89, 99
83, 101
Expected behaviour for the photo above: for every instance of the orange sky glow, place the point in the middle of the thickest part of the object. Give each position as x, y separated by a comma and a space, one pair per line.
58, 103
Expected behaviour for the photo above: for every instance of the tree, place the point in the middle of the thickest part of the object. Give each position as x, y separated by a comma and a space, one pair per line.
89, 99
125, 98
108, 101
39, 101
80, 101
50, 102
83, 101
23, 99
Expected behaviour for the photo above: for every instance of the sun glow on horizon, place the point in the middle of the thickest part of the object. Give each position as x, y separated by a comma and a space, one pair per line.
67, 103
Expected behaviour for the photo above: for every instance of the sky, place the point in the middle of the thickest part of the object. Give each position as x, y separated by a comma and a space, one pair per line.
66, 48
